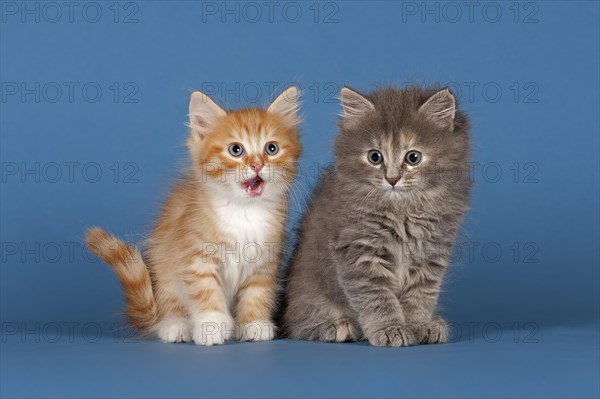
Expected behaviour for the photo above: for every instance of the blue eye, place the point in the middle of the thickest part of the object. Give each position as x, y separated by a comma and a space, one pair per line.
271, 149
375, 157
413, 157
236, 150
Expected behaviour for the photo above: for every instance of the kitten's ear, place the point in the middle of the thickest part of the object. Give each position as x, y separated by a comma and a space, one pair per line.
440, 109
286, 105
354, 105
203, 112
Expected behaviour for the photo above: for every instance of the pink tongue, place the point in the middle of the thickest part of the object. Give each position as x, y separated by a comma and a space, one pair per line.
253, 186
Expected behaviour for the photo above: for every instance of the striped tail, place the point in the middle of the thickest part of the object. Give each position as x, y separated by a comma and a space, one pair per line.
131, 271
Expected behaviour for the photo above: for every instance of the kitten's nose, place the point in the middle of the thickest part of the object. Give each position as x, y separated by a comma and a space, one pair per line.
393, 180
256, 167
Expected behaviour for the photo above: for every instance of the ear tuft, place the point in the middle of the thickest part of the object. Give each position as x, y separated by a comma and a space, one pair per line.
440, 109
287, 105
354, 104
203, 112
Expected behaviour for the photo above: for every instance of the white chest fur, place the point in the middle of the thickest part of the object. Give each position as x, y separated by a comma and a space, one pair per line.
246, 228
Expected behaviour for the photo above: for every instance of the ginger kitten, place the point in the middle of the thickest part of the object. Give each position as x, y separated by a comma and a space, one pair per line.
210, 267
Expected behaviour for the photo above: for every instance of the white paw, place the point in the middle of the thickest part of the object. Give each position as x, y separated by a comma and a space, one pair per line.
173, 329
256, 331
213, 328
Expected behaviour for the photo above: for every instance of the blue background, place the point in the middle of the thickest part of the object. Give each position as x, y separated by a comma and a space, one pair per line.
523, 293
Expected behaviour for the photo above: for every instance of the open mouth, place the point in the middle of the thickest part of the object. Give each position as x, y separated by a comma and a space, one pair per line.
254, 186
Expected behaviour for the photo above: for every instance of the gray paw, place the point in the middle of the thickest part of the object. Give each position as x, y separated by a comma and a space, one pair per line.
336, 331
393, 336
432, 332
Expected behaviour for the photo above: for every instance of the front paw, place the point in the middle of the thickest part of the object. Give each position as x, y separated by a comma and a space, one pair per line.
334, 331
256, 331
173, 329
213, 328
393, 336
431, 332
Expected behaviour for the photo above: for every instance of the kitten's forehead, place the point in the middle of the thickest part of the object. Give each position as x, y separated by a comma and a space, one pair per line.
253, 127
394, 139
399, 108
397, 122
251, 133
247, 123
406, 139
395, 106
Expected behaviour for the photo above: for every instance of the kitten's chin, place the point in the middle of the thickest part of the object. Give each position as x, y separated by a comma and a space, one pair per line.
396, 193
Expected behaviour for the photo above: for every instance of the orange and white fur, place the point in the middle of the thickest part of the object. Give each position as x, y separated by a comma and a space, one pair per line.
210, 267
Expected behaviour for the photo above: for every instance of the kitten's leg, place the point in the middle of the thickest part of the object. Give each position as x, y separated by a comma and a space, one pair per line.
419, 302
367, 284
254, 306
211, 321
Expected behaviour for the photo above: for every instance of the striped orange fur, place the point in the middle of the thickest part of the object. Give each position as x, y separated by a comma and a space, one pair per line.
211, 272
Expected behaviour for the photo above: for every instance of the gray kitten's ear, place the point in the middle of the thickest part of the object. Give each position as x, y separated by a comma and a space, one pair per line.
440, 109
287, 105
354, 105
203, 112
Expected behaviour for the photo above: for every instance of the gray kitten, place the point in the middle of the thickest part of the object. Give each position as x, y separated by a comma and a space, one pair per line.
375, 242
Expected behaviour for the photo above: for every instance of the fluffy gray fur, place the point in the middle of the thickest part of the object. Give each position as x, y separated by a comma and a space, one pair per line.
372, 255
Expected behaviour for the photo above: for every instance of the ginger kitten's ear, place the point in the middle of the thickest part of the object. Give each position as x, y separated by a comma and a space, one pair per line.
440, 109
286, 105
203, 112
354, 104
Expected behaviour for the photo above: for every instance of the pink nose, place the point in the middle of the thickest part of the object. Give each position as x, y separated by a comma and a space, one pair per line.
392, 180
256, 167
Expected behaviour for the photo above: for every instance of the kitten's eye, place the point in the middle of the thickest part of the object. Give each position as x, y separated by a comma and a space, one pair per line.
236, 150
375, 157
271, 149
413, 157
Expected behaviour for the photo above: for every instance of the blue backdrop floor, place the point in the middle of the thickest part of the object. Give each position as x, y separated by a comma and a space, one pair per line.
551, 362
